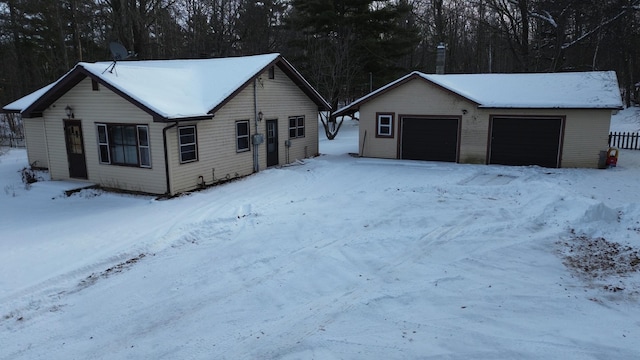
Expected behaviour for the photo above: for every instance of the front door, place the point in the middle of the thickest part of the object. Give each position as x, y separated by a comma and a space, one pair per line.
272, 142
75, 149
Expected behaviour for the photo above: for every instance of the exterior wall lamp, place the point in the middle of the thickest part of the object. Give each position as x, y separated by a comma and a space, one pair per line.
69, 112
260, 116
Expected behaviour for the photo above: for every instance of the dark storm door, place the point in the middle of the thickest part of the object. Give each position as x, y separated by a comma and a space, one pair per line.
272, 142
526, 141
429, 138
75, 149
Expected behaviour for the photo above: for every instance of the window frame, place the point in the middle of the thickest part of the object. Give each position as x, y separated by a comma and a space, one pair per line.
144, 148
103, 144
298, 127
246, 136
107, 147
389, 127
182, 145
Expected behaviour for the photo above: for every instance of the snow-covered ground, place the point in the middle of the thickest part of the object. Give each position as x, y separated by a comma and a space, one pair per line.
336, 258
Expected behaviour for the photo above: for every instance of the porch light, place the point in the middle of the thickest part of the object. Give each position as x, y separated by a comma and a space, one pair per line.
260, 116
69, 111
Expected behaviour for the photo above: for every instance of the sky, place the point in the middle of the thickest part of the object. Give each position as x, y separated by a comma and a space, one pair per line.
334, 257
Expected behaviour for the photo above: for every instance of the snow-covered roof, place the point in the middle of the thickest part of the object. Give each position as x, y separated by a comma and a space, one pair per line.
26, 101
181, 88
571, 90
171, 89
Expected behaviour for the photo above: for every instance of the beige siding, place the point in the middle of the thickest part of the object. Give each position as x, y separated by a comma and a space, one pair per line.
585, 132
36, 142
418, 97
280, 98
218, 160
104, 106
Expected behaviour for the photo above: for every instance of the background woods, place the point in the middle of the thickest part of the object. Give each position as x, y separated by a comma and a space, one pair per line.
344, 47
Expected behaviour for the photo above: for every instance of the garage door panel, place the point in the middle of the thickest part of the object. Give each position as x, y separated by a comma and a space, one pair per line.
525, 141
430, 139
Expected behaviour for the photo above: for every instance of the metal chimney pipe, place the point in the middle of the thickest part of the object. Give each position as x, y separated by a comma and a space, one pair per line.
440, 58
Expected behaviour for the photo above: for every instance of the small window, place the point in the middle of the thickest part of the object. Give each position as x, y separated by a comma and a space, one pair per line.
188, 144
94, 85
143, 146
103, 144
384, 126
296, 127
120, 144
272, 72
242, 136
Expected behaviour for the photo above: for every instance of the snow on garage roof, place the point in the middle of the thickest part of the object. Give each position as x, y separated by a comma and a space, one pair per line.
571, 90
168, 89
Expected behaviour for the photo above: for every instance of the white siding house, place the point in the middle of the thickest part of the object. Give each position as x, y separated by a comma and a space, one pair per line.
170, 126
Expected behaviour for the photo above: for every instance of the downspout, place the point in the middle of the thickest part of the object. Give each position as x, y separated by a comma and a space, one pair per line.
166, 156
256, 146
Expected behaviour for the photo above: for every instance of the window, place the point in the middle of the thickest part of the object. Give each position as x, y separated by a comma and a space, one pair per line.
124, 145
242, 135
188, 144
272, 72
143, 146
384, 125
296, 127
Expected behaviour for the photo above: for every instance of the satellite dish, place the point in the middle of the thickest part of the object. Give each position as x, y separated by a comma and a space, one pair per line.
118, 52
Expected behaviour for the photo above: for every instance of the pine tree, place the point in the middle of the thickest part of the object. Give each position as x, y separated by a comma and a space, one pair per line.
343, 44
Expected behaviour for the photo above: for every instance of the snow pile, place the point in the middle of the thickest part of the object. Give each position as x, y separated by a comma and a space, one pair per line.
338, 257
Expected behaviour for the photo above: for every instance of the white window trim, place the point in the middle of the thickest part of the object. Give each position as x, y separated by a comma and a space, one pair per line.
385, 130
195, 143
248, 148
105, 143
105, 127
144, 147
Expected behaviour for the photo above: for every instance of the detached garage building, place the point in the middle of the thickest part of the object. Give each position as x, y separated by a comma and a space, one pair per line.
551, 120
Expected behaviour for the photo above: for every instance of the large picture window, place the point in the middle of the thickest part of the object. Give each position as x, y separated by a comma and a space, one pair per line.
187, 140
120, 144
384, 125
242, 136
296, 127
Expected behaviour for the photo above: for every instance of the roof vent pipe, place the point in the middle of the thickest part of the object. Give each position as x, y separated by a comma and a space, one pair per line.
440, 58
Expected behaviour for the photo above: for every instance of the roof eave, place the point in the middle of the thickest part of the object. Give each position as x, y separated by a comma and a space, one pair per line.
605, 107
67, 82
10, 111
172, 119
355, 106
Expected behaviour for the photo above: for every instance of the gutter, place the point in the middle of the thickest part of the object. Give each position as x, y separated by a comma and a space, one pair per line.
166, 156
256, 145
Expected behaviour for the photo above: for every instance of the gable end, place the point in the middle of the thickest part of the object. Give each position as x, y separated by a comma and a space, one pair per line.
292, 73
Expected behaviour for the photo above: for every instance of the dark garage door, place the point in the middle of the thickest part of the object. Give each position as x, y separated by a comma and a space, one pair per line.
525, 141
429, 139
